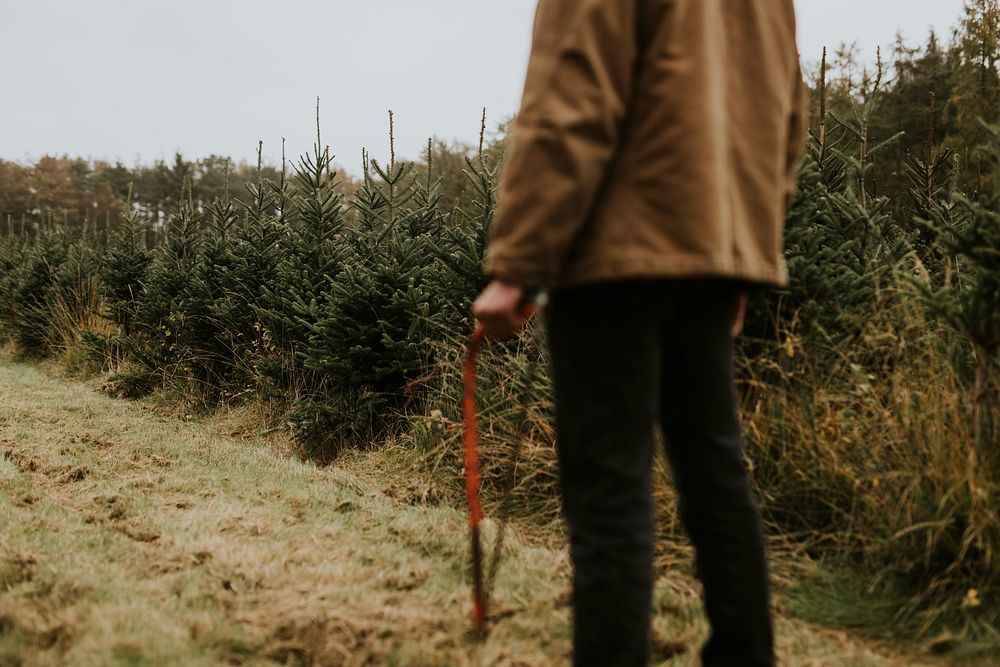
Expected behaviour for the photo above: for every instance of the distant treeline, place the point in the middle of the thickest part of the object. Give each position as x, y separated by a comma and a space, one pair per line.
928, 96
73, 191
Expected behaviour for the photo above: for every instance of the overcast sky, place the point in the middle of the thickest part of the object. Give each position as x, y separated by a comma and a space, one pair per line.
138, 80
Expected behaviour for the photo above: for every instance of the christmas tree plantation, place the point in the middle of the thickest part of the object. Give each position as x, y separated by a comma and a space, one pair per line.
868, 385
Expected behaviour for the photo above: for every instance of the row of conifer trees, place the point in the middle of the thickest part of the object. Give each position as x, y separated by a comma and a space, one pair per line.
301, 293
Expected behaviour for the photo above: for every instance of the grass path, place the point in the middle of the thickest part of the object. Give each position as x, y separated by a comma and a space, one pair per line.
130, 538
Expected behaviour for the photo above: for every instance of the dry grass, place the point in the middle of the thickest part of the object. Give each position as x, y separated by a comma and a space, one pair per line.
860, 448
135, 538
868, 459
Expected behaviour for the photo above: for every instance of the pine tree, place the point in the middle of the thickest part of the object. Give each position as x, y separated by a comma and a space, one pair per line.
842, 242
977, 92
311, 247
462, 239
72, 298
30, 316
124, 270
258, 250
410, 270
211, 349
163, 326
12, 251
365, 340
968, 296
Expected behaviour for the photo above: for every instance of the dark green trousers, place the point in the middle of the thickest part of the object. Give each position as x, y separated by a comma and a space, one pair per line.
626, 357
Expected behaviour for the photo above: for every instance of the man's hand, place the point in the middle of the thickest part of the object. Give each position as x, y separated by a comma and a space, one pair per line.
500, 309
739, 315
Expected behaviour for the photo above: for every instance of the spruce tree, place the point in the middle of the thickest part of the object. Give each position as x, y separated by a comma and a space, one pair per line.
73, 296
366, 325
933, 181
162, 323
212, 351
12, 251
310, 251
124, 270
411, 267
257, 251
462, 238
842, 241
30, 315
967, 298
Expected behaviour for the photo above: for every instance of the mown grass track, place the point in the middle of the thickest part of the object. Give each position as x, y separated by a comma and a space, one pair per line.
128, 537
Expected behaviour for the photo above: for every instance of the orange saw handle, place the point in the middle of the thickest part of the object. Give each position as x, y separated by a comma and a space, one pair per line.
470, 438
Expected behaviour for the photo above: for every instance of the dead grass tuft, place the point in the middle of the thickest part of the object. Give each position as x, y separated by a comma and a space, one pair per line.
16, 567
319, 637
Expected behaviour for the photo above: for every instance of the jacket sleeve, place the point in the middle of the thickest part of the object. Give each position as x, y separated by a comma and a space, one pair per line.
578, 91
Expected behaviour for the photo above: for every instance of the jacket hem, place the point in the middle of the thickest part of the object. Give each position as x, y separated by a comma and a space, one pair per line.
698, 266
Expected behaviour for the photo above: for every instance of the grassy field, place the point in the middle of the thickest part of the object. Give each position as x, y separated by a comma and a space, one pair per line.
132, 537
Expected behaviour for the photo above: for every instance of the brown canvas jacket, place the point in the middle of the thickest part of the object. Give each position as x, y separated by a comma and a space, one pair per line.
656, 138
